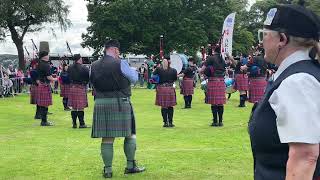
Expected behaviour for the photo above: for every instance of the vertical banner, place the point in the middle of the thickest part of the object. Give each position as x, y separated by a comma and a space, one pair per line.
161, 47
227, 35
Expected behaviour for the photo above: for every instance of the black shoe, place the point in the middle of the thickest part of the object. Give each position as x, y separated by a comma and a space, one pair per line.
220, 124
214, 124
67, 109
74, 126
48, 123
242, 105
135, 169
171, 125
107, 174
83, 126
165, 125
37, 117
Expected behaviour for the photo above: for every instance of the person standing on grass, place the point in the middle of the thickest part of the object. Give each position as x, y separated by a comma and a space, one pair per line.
142, 70
257, 69
187, 85
241, 78
77, 97
113, 114
34, 75
44, 96
284, 126
214, 70
64, 86
165, 92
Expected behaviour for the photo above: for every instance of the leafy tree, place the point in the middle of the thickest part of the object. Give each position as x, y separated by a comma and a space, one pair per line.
138, 24
18, 17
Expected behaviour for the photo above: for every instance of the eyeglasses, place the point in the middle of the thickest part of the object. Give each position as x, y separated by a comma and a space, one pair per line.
262, 33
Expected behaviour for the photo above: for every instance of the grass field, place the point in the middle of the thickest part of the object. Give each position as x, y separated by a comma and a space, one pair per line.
191, 150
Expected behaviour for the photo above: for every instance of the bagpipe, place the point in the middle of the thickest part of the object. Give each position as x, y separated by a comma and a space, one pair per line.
34, 75
155, 79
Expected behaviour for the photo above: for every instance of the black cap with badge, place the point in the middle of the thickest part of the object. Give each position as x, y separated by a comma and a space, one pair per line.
293, 20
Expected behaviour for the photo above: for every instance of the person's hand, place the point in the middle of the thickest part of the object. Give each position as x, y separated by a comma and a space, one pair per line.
244, 67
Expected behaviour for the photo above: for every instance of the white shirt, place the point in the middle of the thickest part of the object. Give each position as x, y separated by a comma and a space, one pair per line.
296, 103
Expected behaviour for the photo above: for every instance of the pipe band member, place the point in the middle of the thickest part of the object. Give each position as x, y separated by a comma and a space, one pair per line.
284, 125
44, 96
214, 69
113, 114
165, 92
77, 97
188, 82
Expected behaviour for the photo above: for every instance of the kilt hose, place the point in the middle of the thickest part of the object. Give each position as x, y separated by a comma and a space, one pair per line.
113, 117
33, 94
77, 97
242, 82
165, 96
64, 90
187, 87
257, 88
44, 96
216, 91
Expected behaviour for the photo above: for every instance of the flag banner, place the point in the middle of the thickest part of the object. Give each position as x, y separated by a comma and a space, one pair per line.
227, 35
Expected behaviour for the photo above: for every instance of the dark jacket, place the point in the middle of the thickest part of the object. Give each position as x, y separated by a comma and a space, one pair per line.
108, 80
270, 155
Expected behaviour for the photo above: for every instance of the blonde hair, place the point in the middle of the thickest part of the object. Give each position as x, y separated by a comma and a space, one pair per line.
165, 64
308, 43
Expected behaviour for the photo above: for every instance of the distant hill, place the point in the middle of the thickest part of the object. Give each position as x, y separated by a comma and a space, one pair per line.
7, 59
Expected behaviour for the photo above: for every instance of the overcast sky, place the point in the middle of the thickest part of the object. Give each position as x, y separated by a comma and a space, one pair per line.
78, 16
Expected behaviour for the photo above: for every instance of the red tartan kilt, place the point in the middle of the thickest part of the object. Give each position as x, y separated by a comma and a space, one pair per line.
242, 82
33, 94
166, 96
216, 91
64, 90
44, 96
187, 87
257, 87
77, 98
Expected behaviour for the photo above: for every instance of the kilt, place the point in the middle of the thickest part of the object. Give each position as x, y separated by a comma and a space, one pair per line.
77, 97
33, 94
187, 87
257, 87
242, 82
44, 96
216, 91
113, 117
64, 90
165, 96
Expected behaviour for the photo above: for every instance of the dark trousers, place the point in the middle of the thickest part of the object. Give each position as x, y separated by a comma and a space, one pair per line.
79, 115
167, 115
217, 111
44, 114
65, 103
187, 101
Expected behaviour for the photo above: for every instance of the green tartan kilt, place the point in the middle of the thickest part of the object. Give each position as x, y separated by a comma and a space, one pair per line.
113, 117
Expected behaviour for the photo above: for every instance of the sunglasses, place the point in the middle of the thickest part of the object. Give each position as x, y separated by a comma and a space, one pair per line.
262, 33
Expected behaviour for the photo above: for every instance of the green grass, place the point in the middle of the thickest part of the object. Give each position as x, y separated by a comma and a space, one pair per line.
191, 150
